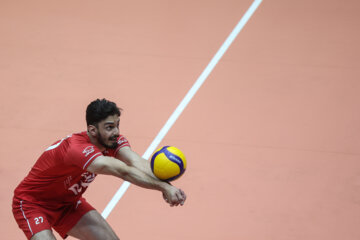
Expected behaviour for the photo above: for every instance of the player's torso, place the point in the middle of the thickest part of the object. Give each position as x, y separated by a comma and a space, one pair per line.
59, 175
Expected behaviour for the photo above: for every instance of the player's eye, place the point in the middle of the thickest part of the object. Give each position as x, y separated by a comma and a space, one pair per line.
109, 128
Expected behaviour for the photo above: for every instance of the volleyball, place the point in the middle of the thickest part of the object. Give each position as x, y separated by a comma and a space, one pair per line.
168, 163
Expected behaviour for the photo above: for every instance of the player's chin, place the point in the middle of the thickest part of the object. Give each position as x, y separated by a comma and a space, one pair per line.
112, 144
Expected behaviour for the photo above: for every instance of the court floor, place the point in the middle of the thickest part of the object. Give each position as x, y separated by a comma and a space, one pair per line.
272, 137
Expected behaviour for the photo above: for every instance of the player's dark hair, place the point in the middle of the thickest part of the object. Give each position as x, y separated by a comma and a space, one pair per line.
99, 110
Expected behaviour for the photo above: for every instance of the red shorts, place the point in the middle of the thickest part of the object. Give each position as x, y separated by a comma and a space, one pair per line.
33, 218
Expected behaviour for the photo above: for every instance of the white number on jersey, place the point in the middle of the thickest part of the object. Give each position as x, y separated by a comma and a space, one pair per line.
57, 144
38, 220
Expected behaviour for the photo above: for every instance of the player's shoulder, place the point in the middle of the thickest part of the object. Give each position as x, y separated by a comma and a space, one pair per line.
80, 148
80, 137
80, 141
123, 141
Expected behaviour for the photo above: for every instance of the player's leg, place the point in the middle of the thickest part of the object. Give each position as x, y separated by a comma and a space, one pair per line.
44, 235
92, 226
32, 219
82, 221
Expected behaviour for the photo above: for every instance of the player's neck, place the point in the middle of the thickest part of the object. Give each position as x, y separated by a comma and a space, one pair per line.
95, 142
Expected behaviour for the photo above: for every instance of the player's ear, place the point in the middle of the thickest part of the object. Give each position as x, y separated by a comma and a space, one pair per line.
92, 130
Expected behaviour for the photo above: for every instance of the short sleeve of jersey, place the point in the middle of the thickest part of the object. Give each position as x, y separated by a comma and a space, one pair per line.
122, 142
82, 154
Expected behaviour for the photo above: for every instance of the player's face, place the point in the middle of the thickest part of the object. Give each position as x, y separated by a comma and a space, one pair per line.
108, 131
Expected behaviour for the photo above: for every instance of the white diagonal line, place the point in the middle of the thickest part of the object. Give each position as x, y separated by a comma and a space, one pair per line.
180, 108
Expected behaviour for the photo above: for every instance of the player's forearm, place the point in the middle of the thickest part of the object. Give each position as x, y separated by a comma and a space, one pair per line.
136, 176
143, 179
144, 166
133, 159
112, 166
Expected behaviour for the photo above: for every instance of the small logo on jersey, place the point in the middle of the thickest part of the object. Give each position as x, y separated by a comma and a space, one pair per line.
88, 150
67, 181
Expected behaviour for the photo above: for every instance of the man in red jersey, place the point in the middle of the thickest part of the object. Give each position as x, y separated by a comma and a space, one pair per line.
50, 196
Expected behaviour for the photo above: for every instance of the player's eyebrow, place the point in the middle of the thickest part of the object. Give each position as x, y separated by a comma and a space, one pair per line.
111, 122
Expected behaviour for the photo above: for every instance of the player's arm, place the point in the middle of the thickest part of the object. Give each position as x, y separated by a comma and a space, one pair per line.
133, 159
112, 166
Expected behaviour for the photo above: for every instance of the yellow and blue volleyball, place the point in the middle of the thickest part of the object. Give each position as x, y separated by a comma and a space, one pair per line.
168, 163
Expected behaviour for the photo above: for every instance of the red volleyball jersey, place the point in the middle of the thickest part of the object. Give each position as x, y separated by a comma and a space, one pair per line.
59, 176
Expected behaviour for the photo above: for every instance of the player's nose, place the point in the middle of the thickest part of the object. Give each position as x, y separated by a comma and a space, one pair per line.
116, 132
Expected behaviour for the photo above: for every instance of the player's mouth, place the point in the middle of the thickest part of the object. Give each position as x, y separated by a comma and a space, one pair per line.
113, 139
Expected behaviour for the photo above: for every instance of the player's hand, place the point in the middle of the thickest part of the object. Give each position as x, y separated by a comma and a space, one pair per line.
174, 196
